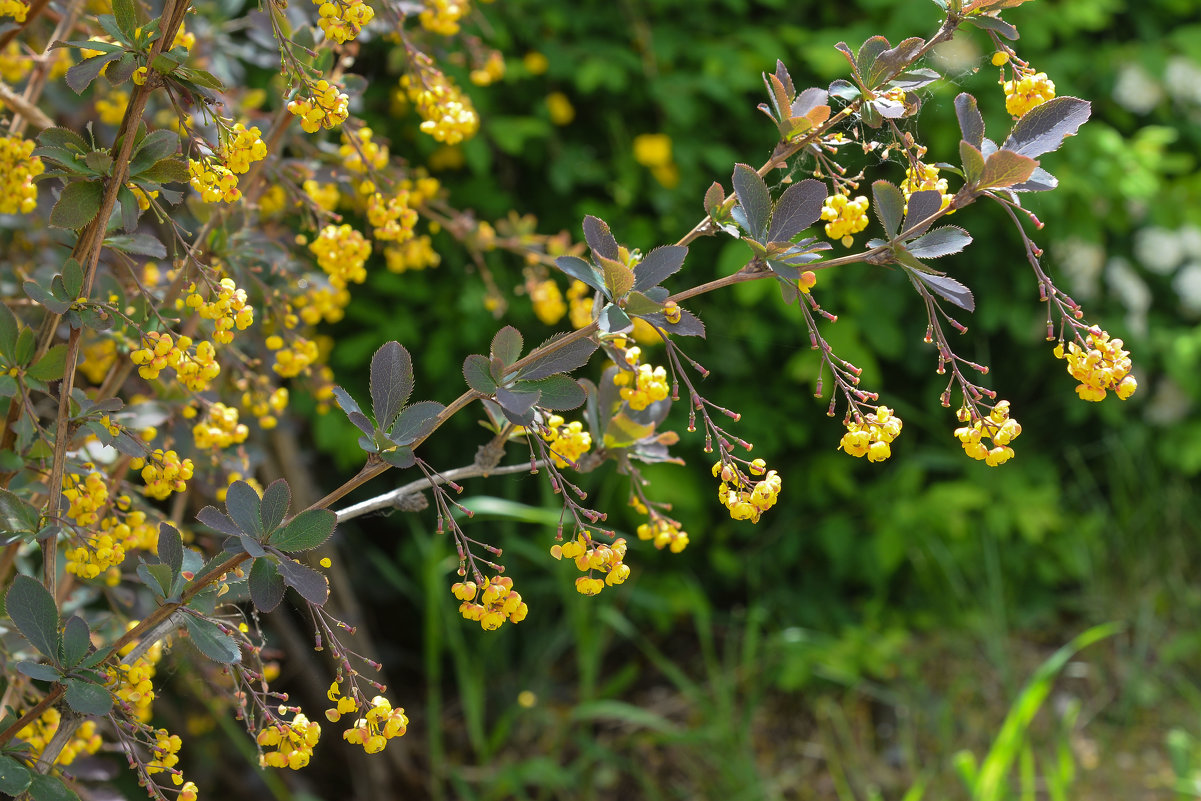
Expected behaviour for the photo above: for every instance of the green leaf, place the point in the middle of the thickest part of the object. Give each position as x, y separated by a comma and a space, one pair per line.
35, 614
165, 171
50, 366
137, 245
9, 328
17, 514
600, 238
87, 698
307, 530
638, 303
613, 320
947, 288
170, 547
477, 374
311, 585
1043, 128
391, 382
517, 401
659, 264
972, 160
39, 294
869, 51
266, 585
251, 546
715, 195
940, 242
402, 458
558, 392
36, 670
276, 500
798, 208
889, 206
971, 123
157, 578
754, 198
73, 278
1005, 168
200, 78
23, 350
922, 205
76, 641
64, 138
243, 504
80, 76
506, 345
561, 359
891, 60
580, 270
126, 16
50, 788
78, 205
211, 641
416, 422
619, 279
156, 146
14, 777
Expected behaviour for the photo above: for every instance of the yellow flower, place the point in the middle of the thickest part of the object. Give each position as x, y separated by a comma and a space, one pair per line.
562, 112
652, 150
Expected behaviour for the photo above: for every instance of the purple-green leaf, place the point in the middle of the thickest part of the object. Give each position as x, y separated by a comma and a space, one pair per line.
477, 374
1044, 127
889, 206
307, 530
242, 503
599, 237
580, 270
311, 585
971, 123
211, 641
33, 611
507, 345
754, 198
415, 422
391, 382
276, 500
560, 360
798, 207
940, 242
659, 264
266, 585
947, 288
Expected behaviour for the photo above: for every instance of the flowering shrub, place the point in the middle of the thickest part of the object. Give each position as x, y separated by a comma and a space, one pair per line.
108, 452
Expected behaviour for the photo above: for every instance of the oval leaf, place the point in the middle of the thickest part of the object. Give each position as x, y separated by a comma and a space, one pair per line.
940, 242
754, 198
477, 374
311, 585
211, 641
659, 264
391, 382
87, 698
266, 585
32, 609
889, 206
276, 500
561, 359
77, 205
242, 503
307, 530
1044, 127
559, 392
416, 422
506, 345
580, 270
599, 238
797, 209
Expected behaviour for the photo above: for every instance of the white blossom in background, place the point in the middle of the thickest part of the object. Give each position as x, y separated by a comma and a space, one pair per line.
1187, 284
1169, 403
1136, 90
1158, 249
1190, 240
1182, 80
1081, 262
1125, 284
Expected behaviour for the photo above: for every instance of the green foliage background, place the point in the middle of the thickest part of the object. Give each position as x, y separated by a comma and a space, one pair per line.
883, 615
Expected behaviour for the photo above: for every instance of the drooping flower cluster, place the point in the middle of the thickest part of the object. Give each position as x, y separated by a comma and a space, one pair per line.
368, 155
925, 177
568, 441
15, 9
87, 497
326, 107
416, 253
228, 309
497, 603
645, 385
1027, 90
871, 435
164, 472
242, 147
133, 684
295, 359
219, 428
998, 427
265, 406
18, 168
844, 217
37, 736
378, 726
442, 16
589, 557
215, 182
166, 755
322, 303
292, 742
159, 351
447, 113
745, 499
341, 20
579, 302
1101, 365
342, 251
391, 217
664, 533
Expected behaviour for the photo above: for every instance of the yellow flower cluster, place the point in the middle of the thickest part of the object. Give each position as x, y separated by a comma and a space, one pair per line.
1027, 90
664, 534
844, 217
342, 251
567, 442
442, 16
213, 180
326, 196
341, 20
747, 502
415, 254
243, 147
343, 704
18, 168
166, 757
871, 435
1101, 365
14, 65
548, 301
590, 556
134, 532
369, 155
133, 684
228, 309
492, 70
998, 427
322, 303
266, 406
164, 472
219, 428
644, 386
141, 197
925, 177
38, 734
98, 356
378, 726
391, 217
326, 107
160, 351
293, 360
111, 108
293, 742
94, 557
579, 304
87, 497
14, 8
497, 603
447, 114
